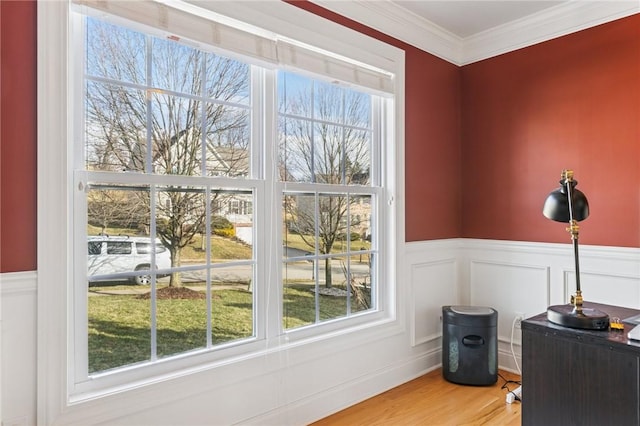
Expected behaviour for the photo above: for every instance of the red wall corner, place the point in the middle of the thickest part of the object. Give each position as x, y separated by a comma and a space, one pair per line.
572, 102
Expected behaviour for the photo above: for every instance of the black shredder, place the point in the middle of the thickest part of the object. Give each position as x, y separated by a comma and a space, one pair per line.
469, 345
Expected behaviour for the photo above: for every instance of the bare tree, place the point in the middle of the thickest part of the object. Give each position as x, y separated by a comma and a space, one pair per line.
116, 208
324, 139
196, 122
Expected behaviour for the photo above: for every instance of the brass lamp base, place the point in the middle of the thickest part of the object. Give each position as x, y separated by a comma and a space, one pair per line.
568, 316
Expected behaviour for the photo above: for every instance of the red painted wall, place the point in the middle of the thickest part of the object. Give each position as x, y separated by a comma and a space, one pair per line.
572, 102
17, 136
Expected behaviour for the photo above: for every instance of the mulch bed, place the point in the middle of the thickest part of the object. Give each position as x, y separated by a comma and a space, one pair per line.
175, 293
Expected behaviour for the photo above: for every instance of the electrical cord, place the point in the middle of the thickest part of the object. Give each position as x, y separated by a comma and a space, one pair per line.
512, 395
515, 394
513, 352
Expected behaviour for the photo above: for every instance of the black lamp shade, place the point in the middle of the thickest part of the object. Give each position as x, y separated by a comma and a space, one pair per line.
556, 206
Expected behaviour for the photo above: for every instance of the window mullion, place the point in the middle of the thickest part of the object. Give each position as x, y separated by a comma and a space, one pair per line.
348, 251
149, 105
207, 199
152, 193
209, 255
377, 165
269, 219
316, 264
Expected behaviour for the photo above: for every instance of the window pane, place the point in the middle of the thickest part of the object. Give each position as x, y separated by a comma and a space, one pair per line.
228, 80
232, 314
119, 328
360, 283
341, 155
331, 142
328, 103
299, 297
180, 216
228, 137
339, 105
231, 225
299, 213
357, 109
177, 135
116, 137
329, 151
116, 53
360, 211
296, 154
176, 67
181, 314
356, 168
295, 94
332, 289
332, 226
117, 216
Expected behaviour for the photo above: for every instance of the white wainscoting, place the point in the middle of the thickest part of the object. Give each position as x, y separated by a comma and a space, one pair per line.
433, 268
525, 278
512, 277
18, 365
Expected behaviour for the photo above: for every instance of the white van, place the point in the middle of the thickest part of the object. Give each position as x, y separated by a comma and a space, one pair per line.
116, 255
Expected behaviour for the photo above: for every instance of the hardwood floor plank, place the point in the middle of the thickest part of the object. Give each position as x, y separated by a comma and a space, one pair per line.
431, 400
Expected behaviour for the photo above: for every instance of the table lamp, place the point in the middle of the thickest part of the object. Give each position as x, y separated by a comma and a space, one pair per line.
569, 205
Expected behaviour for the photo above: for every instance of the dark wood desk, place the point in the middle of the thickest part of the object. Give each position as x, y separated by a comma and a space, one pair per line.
580, 377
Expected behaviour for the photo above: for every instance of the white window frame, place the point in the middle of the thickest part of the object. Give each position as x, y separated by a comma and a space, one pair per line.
57, 399
81, 382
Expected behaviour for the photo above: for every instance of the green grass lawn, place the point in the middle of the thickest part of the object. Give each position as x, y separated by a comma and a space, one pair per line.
120, 325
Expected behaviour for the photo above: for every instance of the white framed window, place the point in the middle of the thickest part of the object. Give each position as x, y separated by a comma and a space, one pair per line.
166, 149
328, 163
190, 144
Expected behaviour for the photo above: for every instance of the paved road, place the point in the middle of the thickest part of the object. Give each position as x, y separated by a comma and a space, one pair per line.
241, 275
294, 271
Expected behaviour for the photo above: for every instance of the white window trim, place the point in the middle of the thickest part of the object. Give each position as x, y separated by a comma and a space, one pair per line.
55, 403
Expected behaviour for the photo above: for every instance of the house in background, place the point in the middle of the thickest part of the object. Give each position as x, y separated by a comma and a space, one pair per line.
485, 142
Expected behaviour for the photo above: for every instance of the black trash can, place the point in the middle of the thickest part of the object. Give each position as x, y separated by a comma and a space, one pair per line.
470, 345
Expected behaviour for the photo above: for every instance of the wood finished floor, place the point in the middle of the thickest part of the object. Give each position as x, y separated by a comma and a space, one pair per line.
431, 400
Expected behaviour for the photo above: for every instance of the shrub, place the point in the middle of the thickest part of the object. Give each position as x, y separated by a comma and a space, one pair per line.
223, 227
225, 232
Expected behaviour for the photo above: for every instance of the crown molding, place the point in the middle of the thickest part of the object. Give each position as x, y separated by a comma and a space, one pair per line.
557, 21
401, 24
563, 19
